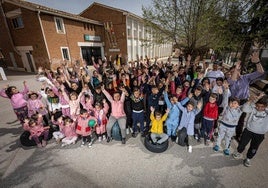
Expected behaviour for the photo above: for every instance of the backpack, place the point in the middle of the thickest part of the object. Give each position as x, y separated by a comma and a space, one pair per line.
182, 137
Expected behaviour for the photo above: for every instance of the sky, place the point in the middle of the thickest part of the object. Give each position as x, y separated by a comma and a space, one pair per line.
77, 6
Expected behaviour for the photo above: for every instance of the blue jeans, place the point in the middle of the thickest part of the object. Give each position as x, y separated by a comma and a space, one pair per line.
138, 118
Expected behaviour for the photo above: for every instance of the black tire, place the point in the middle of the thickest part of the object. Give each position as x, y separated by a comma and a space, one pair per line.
116, 132
155, 148
25, 141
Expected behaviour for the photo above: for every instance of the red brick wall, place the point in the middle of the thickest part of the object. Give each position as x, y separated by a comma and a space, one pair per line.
104, 14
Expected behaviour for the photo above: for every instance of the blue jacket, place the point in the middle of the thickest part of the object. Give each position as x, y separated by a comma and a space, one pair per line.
174, 113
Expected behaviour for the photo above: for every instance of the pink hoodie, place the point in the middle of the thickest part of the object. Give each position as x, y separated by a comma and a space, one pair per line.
117, 107
17, 100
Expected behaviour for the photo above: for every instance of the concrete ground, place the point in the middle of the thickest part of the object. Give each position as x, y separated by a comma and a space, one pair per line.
114, 164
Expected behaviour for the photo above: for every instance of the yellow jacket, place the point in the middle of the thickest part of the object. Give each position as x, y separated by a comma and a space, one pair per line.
157, 125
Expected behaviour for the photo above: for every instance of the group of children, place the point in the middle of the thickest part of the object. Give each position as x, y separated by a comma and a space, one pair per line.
144, 98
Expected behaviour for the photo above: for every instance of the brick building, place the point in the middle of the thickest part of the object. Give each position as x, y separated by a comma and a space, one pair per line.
125, 33
33, 35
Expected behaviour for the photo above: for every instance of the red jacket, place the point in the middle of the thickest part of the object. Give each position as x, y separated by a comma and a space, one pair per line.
211, 111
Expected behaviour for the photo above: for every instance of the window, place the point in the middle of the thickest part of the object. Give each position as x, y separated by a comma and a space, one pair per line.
65, 53
128, 32
17, 22
59, 25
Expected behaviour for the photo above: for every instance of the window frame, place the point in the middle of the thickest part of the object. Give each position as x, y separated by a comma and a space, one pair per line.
62, 54
19, 17
62, 24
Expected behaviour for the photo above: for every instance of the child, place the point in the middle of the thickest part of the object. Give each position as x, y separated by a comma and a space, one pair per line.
74, 102
255, 129
187, 120
172, 121
100, 113
69, 132
117, 114
228, 122
137, 105
210, 114
36, 129
35, 105
17, 100
58, 135
83, 129
157, 121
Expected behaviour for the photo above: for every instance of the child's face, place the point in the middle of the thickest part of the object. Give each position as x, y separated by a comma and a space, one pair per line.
197, 92
14, 90
219, 83
33, 124
178, 90
189, 107
212, 100
173, 100
234, 104
155, 90
260, 107
157, 117
33, 97
73, 97
98, 91
67, 123
97, 107
136, 94
116, 96
84, 115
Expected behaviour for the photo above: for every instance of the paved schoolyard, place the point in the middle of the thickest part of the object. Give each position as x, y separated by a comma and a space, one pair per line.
114, 164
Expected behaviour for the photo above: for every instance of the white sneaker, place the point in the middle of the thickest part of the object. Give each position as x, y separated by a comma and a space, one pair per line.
100, 139
131, 130
103, 137
64, 144
190, 149
127, 131
83, 144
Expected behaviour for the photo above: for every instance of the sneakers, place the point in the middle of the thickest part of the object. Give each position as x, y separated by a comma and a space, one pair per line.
190, 149
90, 143
226, 152
108, 139
246, 162
44, 143
142, 134
127, 130
39, 145
100, 139
103, 137
134, 135
123, 140
206, 141
64, 144
82, 144
237, 155
216, 148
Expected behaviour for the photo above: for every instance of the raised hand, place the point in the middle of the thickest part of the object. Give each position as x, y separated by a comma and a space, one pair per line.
255, 57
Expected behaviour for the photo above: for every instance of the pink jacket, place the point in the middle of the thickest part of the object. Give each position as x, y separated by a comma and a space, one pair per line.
117, 107
69, 131
35, 130
17, 100
35, 106
82, 127
101, 115
87, 105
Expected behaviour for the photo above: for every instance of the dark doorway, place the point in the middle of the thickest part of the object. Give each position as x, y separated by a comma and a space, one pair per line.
88, 52
28, 55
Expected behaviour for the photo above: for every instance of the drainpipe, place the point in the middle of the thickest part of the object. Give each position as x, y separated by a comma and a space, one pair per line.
43, 33
8, 30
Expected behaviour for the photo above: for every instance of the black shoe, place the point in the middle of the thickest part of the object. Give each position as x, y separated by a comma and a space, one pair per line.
134, 135
108, 139
123, 140
142, 134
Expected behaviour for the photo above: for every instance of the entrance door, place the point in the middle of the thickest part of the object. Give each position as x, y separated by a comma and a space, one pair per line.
28, 55
88, 52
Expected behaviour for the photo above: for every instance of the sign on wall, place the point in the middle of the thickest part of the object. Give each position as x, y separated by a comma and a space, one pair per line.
91, 38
